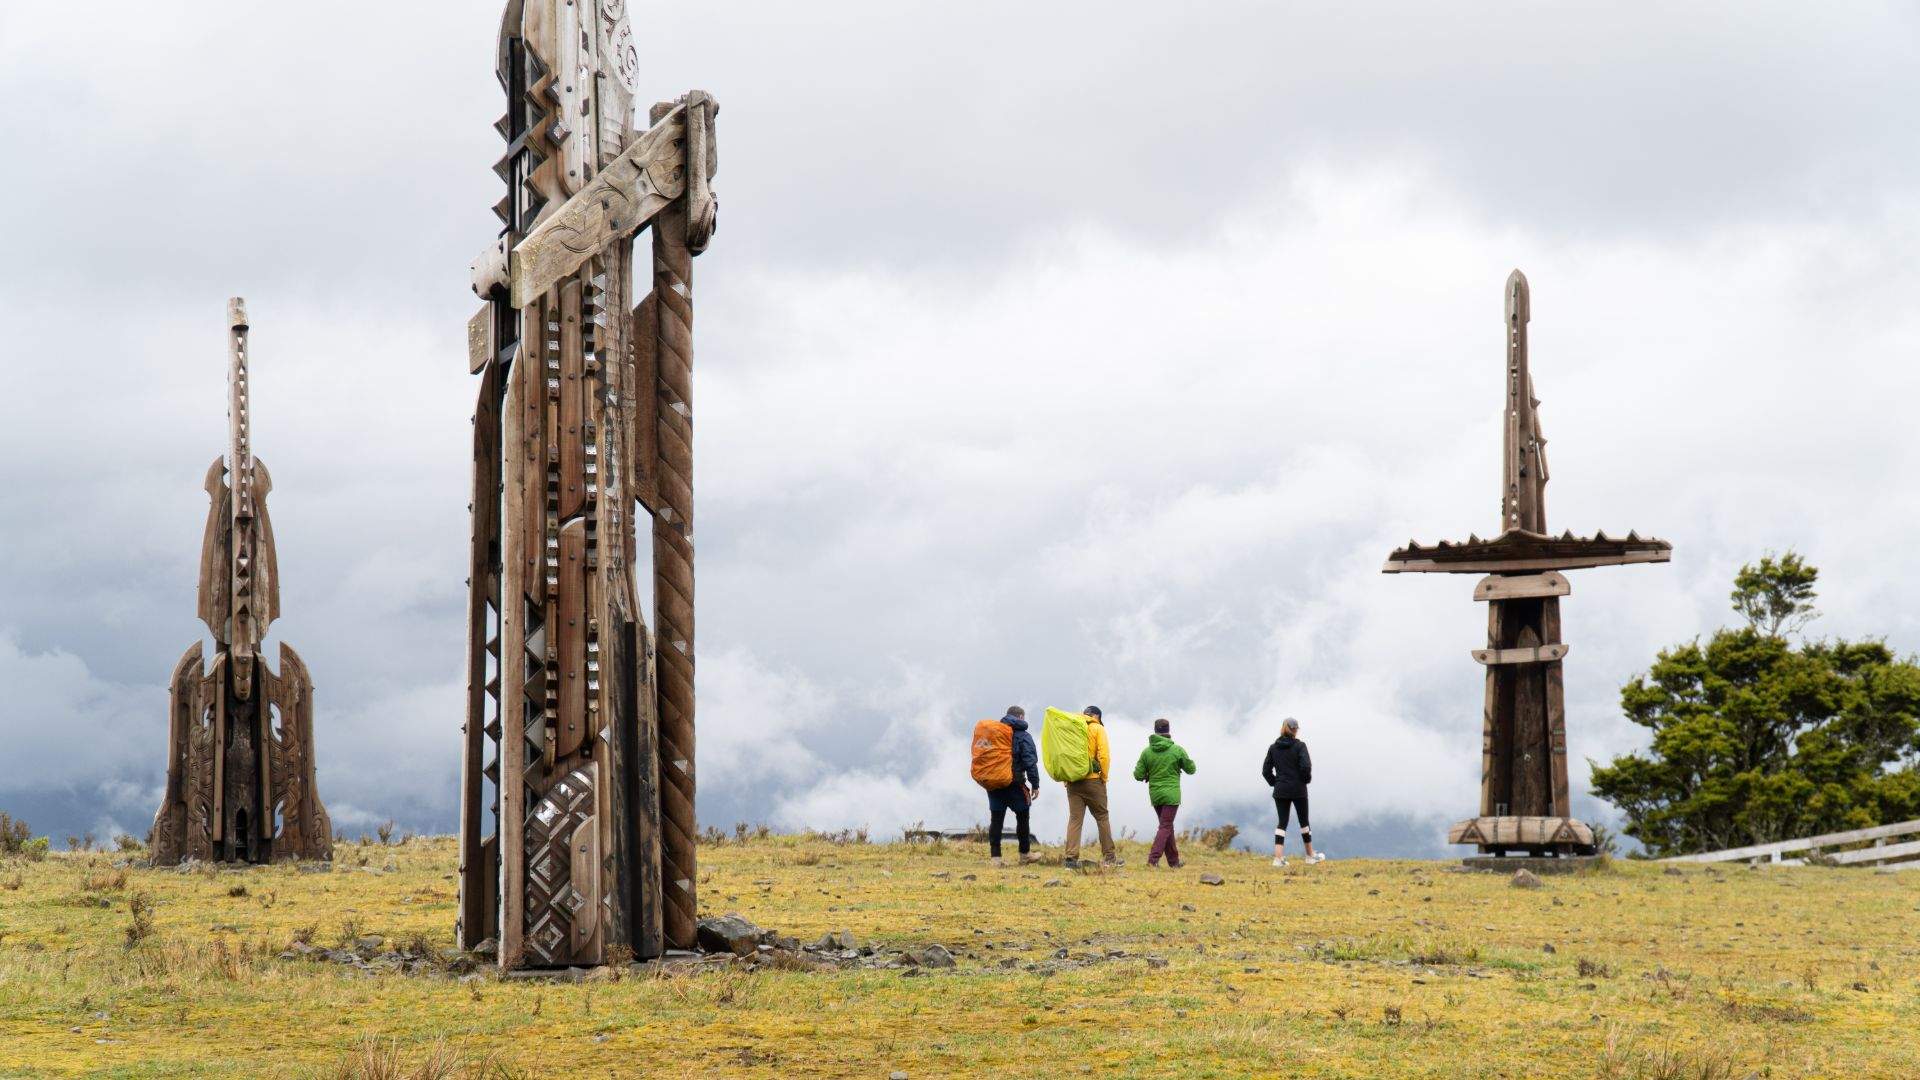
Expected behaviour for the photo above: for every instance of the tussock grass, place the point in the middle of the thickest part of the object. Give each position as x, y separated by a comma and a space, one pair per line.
1349, 968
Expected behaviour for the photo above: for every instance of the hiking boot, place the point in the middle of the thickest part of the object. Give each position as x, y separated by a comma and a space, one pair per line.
1115, 861
1279, 860
1070, 864
997, 861
1029, 860
1318, 856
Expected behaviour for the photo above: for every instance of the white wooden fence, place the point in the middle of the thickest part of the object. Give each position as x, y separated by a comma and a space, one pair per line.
1903, 855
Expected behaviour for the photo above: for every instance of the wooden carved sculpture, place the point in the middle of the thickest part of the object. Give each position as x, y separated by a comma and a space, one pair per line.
239, 737
1523, 777
577, 837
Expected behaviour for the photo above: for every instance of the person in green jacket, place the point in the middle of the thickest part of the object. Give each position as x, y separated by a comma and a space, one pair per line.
1160, 765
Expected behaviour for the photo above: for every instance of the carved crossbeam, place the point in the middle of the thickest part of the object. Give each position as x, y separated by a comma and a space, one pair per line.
618, 202
1518, 551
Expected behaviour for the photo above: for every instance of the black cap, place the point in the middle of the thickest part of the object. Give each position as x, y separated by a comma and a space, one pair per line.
1161, 727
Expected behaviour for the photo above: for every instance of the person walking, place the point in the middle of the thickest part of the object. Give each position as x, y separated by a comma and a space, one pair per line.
1017, 795
1160, 765
1288, 770
1090, 795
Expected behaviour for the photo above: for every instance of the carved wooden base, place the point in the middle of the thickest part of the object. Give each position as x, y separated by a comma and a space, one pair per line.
240, 775
1534, 835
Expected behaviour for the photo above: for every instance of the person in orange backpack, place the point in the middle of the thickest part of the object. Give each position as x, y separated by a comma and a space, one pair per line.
1007, 764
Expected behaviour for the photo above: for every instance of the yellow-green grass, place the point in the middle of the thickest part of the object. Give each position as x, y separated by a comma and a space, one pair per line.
1349, 968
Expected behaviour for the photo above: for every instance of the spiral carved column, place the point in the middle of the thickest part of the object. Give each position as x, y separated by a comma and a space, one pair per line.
673, 569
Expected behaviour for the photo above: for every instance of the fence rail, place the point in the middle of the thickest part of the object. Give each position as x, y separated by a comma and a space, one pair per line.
1894, 856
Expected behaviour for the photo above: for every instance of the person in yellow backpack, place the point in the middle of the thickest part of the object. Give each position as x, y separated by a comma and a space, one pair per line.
1090, 794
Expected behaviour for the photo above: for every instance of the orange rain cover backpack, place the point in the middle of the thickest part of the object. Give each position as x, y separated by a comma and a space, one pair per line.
992, 754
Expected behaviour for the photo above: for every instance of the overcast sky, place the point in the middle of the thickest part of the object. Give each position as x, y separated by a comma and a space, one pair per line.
1047, 353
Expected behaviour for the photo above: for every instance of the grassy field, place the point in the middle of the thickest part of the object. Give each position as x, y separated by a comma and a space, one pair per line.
1349, 968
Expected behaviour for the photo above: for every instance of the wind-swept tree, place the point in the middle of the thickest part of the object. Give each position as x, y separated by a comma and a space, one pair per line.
1756, 738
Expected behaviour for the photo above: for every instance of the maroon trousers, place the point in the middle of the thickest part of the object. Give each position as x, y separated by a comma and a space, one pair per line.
1163, 841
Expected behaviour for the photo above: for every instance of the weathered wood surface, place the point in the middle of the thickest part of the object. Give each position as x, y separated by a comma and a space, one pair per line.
240, 759
1521, 586
1525, 553
479, 869
579, 825
1523, 654
622, 199
1521, 831
1523, 718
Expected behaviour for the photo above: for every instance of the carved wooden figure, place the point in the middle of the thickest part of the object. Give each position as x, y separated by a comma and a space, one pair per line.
577, 835
240, 766
1523, 779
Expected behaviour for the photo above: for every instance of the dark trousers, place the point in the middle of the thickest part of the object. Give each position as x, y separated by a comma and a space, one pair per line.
1163, 841
1298, 804
1012, 797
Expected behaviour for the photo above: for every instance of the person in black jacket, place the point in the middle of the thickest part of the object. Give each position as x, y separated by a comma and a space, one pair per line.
1288, 770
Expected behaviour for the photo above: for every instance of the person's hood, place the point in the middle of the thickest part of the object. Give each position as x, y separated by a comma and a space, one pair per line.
1017, 723
1288, 739
1159, 744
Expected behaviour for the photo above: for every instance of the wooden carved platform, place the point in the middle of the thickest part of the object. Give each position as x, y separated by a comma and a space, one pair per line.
1533, 834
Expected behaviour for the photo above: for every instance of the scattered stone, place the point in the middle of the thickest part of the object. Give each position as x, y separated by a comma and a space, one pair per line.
727, 934
897, 1075
1548, 948
370, 942
1054, 883
1525, 879
931, 956
941, 874
836, 940
1188, 907
1212, 879
1673, 871
969, 877
1158, 962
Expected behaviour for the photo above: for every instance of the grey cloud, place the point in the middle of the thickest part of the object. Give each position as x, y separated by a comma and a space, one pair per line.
1099, 361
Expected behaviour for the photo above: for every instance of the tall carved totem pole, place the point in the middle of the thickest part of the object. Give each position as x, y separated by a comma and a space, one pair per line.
1523, 774
576, 838
239, 737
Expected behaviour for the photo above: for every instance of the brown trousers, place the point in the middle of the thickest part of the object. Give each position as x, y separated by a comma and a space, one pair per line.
1082, 796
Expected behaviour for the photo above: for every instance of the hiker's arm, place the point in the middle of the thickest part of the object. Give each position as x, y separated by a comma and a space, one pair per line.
1306, 765
1186, 764
1266, 769
1140, 767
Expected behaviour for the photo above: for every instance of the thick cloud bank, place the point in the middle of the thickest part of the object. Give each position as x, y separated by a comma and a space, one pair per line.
1099, 363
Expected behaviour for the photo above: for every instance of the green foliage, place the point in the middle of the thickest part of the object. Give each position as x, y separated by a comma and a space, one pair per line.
1756, 739
1776, 596
16, 838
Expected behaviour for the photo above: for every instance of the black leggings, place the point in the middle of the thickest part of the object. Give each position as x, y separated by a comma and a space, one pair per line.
1298, 804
